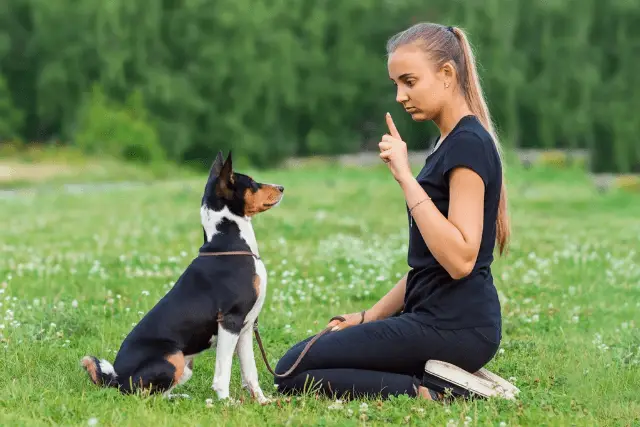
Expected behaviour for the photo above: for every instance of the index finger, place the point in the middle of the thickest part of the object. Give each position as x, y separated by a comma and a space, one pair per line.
392, 127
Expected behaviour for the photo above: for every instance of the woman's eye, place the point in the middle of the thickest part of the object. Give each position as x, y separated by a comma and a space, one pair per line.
410, 83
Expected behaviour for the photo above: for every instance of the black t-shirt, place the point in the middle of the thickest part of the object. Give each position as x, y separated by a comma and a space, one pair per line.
471, 301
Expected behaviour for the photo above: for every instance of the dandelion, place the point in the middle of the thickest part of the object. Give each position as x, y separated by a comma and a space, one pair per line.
501, 351
364, 407
145, 293
74, 303
92, 421
208, 403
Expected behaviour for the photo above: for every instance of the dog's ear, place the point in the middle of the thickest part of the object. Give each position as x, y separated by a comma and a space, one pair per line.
216, 166
224, 184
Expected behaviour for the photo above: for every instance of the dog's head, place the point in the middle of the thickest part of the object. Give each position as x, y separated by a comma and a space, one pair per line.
239, 193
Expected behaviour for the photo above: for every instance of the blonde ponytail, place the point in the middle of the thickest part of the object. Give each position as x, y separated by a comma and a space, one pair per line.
478, 105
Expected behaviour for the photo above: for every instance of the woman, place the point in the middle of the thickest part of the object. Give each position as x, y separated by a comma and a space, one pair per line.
457, 212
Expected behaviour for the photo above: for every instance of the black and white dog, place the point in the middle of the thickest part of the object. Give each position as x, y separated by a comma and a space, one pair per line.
214, 302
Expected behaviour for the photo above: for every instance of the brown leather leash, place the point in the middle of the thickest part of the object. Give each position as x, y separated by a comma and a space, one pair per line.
255, 325
304, 350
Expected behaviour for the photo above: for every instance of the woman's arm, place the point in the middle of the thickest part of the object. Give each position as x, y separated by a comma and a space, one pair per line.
455, 241
389, 304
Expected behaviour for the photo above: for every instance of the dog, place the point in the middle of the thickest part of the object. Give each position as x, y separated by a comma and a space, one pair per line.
215, 301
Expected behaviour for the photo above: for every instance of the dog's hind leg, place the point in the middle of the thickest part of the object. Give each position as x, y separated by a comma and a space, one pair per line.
248, 366
158, 376
225, 348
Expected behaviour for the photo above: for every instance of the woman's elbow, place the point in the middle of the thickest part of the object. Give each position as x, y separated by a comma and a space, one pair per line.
461, 270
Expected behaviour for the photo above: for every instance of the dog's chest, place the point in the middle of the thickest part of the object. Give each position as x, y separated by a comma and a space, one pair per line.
261, 272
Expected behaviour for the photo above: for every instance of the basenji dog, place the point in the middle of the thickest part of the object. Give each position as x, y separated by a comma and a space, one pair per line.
214, 302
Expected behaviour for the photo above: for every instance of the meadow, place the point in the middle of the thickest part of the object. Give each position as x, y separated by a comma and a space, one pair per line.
78, 269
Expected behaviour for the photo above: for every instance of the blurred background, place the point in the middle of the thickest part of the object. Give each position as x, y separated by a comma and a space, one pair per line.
172, 81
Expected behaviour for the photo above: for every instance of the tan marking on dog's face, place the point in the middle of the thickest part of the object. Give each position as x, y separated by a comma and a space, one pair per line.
261, 200
90, 366
256, 284
177, 360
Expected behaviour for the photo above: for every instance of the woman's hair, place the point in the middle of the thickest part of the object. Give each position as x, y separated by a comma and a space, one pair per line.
444, 44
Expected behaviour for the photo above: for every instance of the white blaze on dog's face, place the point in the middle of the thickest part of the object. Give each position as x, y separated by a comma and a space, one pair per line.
234, 196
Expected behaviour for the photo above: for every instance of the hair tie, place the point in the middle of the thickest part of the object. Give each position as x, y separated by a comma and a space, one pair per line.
450, 29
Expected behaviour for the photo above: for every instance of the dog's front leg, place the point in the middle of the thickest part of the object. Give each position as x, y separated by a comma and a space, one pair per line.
248, 366
225, 349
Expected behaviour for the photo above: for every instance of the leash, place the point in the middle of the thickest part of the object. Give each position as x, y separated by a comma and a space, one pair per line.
304, 351
257, 333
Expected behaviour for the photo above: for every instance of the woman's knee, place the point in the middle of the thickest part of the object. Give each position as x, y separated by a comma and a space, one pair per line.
286, 362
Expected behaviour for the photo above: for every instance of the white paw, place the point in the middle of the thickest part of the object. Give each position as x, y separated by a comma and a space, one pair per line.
230, 401
263, 400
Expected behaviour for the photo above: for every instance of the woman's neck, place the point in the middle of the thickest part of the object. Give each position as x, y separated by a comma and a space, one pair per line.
450, 116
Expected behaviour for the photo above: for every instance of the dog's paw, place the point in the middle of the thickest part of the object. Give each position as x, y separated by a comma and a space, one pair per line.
263, 400
230, 401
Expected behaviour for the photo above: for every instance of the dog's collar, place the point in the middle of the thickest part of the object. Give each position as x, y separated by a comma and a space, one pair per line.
229, 253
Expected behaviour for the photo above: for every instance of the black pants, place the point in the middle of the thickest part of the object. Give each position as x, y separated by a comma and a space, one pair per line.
383, 358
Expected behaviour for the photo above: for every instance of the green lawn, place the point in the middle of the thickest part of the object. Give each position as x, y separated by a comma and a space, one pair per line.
78, 270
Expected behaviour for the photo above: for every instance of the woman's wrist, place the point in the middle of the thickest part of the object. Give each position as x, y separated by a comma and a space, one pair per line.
406, 179
370, 315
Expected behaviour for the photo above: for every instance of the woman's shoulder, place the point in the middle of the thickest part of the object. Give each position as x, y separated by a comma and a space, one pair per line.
471, 131
471, 146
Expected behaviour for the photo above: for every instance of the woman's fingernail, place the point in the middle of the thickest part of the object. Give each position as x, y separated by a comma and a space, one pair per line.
335, 328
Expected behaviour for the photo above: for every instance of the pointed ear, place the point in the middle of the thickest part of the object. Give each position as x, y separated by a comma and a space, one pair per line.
224, 184
216, 167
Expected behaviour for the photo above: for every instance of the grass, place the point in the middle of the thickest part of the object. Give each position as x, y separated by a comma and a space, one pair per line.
37, 166
78, 270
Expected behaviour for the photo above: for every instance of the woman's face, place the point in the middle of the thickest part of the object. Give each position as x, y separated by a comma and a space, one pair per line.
420, 84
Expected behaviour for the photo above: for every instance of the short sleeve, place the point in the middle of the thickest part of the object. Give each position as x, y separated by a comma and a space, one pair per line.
467, 150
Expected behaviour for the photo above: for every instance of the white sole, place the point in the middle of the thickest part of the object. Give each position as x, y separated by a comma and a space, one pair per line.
483, 382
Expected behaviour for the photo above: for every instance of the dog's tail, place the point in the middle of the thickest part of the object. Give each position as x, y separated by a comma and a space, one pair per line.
100, 372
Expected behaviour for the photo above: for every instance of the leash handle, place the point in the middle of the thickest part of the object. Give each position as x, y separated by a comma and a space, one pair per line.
304, 351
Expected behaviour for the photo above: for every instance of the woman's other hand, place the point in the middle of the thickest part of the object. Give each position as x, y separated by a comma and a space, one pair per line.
350, 320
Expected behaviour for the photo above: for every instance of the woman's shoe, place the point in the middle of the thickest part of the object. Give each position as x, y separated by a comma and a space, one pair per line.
441, 376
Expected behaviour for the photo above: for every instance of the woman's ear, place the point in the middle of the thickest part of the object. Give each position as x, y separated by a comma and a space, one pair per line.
448, 73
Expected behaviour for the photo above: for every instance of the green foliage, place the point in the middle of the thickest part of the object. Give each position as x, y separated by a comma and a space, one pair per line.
117, 131
10, 117
285, 77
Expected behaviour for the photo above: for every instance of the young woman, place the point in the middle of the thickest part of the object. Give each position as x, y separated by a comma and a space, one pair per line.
446, 306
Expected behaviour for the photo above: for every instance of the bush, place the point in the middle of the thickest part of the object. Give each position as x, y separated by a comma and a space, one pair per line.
11, 119
121, 131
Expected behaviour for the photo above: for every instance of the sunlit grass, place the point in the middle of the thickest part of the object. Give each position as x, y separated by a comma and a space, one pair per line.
77, 270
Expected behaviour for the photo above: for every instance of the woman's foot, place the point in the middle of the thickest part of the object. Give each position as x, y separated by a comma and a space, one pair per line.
429, 394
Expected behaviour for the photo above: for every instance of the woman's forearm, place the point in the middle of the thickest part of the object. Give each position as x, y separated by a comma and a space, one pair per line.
389, 304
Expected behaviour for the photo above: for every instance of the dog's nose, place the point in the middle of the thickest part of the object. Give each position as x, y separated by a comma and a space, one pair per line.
280, 187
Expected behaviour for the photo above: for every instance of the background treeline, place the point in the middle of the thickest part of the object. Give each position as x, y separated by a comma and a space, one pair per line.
176, 79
